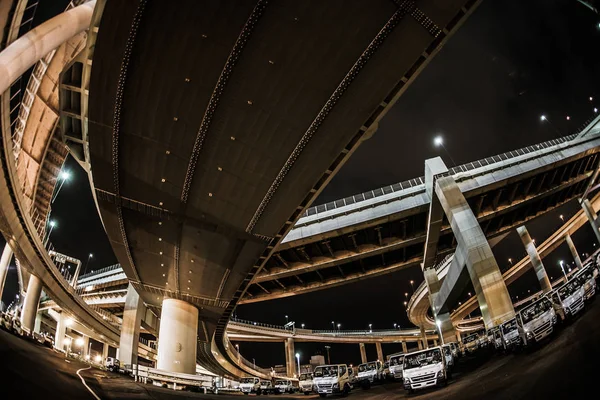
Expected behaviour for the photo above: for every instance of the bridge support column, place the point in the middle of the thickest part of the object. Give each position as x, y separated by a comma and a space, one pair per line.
30, 305
536, 261
85, 348
573, 249
290, 360
61, 329
177, 337
363, 353
4, 263
435, 342
379, 352
37, 325
105, 348
592, 217
424, 338
473, 247
404, 348
443, 322
420, 344
130, 330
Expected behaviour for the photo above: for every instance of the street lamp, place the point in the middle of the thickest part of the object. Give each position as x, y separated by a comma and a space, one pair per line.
411, 285
561, 262
87, 262
286, 319
333, 325
439, 141
298, 359
562, 218
370, 327
302, 326
544, 118
439, 326
406, 295
510, 261
62, 177
338, 326
328, 358
52, 224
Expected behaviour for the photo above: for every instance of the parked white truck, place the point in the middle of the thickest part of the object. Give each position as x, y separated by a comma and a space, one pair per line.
510, 334
332, 379
568, 299
396, 366
370, 373
536, 321
425, 368
306, 383
587, 278
250, 385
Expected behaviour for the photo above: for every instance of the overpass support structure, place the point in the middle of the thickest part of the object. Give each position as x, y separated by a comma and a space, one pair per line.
434, 168
423, 344
473, 259
404, 347
130, 330
592, 217
536, 260
177, 338
379, 352
4, 263
363, 353
573, 250
30, 305
290, 361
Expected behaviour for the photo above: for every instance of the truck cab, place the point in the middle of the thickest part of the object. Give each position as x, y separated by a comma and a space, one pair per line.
112, 364
536, 321
332, 379
588, 281
306, 383
265, 387
425, 368
284, 386
369, 373
250, 385
567, 299
494, 337
471, 343
450, 362
510, 334
396, 366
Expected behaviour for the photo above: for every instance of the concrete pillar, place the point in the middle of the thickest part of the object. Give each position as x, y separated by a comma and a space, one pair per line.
458, 337
177, 338
363, 353
30, 305
420, 343
85, 348
592, 218
404, 348
493, 297
573, 249
443, 322
536, 261
4, 263
290, 358
424, 338
105, 348
379, 352
435, 342
76, 275
61, 329
37, 325
130, 330
21, 54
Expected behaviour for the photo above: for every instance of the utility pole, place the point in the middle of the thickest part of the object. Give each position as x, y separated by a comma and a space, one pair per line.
328, 358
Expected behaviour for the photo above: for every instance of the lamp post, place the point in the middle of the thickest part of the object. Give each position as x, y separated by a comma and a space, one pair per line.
87, 262
562, 268
52, 224
286, 319
439, 141
333, 325
328, 358
411, 286
338, 326
298, 359
62, 177
543, 118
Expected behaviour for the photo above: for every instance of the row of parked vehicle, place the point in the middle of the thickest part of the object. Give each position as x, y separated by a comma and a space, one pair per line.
12, 323
538, 319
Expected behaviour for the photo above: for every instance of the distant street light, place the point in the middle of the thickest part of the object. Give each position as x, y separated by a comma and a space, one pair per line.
510, 261
411, 286
52, 224
302, 326
370, 327
595, 110
298, 358
87, 262
338, 325
63, 177
286, 319
568, 118
328, 358
561, 262
439, 141
469, 294
404, 304
561, 217
406, 295
333, 325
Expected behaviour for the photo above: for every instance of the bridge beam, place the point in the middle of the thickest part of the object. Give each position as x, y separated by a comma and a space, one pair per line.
492, 294
536, 261
4, 263
573, 250
130, 330
442, 319
363, 353
290, 361
30, 305
379, 352
592, 217
177, 338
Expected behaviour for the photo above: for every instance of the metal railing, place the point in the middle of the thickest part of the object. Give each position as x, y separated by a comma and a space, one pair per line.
332, 205
100, 271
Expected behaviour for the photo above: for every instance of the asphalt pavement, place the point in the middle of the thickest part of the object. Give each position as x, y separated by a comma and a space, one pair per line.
563, 366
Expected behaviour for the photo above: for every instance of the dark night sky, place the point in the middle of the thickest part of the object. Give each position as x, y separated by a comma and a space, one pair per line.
512, 61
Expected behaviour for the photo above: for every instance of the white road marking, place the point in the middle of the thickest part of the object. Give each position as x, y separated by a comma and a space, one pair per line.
85, 384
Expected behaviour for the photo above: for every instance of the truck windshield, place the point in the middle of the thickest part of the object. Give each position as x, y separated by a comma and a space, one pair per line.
396, 360
428, 357
509, 326
536, 309
470, 339
586, 275
326, 371
281, 382
568, 289
247, 380
305, 377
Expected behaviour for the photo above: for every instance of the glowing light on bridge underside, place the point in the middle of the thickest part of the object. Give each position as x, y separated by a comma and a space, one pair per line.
65, 175
52, 223
438, 141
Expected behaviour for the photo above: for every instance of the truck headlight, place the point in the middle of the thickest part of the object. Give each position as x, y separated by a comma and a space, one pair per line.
336, 385
440, 374
406, 380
